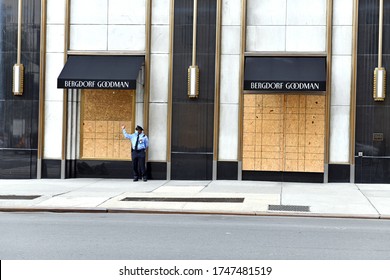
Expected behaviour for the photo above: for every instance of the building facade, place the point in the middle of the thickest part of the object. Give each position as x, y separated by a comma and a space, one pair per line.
285, 89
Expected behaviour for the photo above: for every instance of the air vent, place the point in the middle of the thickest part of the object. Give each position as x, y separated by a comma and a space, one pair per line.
23, 197
291, 208
187, 199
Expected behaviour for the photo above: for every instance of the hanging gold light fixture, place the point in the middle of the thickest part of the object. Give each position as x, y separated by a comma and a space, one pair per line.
380, 72
193, 70
18, 69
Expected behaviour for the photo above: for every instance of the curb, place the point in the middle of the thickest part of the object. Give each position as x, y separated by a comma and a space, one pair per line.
54, 210
83, 210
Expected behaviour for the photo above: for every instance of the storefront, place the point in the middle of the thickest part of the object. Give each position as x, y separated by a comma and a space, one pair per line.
105, 90
284, 118
285, 89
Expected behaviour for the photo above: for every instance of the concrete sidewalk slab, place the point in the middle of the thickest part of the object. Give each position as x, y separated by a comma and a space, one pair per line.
97, 195
68, 202
328, 199
248, 187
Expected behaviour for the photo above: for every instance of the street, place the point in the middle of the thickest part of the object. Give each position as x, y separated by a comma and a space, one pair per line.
185, 237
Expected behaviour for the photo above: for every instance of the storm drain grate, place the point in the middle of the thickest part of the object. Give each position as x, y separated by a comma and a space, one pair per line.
187, 199
14, 197
292, 208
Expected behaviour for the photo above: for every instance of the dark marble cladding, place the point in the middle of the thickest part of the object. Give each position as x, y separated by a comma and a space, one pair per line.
373, 119
19, 114
18, 164
157, 170
18, 124
371, 116
193, 120
105, 169
51, 169
339, 173
100, 169
191, 166
227, 170
372, 170
31, 11
198, 133
303, 177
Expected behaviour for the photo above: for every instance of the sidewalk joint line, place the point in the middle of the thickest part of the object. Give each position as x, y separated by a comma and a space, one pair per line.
373, 206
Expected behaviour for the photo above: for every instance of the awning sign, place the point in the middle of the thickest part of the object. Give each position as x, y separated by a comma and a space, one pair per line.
285, 74
100, 72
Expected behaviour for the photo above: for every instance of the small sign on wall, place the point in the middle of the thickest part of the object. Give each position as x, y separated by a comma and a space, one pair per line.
377, 137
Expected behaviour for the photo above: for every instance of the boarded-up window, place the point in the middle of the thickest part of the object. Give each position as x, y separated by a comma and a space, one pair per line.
284, 132
102, 114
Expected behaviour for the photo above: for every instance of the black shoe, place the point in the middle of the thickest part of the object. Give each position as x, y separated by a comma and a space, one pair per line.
135, 179
144, 179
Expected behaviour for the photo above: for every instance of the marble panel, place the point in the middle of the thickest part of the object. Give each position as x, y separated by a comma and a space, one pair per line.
159, 71
158, 131
126, 37
53, 129
231, 12
341, 80
55, 38
230, 74
160, 39
160, 11
266, 38
339, 134
139, 114
56, 11
54, 65
306, 12
88, 12
342, 12
88, 37
306, 38
126, 11
231, 40
228, 132
265, 12
342, 40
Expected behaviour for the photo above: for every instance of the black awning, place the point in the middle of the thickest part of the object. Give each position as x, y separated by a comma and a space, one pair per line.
279, 74
100, 72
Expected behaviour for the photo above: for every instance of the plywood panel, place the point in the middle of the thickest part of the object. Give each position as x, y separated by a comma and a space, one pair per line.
286, 131
102, 115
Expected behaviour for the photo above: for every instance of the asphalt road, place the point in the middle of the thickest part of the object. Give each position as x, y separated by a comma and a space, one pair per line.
184, 237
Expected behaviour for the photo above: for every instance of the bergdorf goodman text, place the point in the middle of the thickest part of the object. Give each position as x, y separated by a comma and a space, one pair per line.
284, 86
97, 84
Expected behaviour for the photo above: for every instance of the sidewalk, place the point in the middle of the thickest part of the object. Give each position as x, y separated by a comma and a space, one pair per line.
205, 197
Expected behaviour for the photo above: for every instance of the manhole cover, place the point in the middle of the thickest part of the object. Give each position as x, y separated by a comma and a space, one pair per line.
292, 208
14, 197
187, 199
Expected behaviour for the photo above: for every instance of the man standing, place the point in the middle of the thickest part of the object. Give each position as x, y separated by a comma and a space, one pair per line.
139, 144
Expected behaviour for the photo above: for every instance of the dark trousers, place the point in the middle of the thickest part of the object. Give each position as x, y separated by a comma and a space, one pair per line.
138, 158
